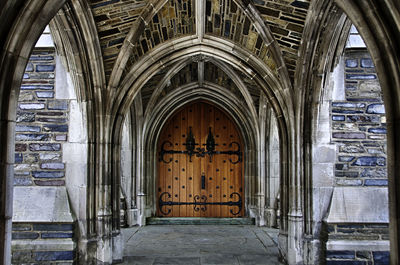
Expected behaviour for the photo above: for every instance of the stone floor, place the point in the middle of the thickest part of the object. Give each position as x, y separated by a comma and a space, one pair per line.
200, 244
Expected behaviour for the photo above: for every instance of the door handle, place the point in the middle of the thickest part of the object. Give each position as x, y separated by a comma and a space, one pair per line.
203, 181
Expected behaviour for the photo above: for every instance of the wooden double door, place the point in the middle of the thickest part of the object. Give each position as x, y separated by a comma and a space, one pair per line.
200, 168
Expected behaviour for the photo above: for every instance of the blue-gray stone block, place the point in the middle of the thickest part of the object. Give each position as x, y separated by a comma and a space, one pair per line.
376, 182
346, 111
346, 158
31, 137
54, 255
19, 158
348, 105
31, 106
376, 109
34, 87
364, 99
27, 128
45, 147
21, 227
339, 166
25, 116
53, 227
351, 63
345, 262
41, 58
55, 128
381, 257
348, 135
351, 88
377, 130
45, 94
45, 68
354, 71
363, 118
338, 117
360, 76
58, 105
57, 235
370, 161
48, 174
346, 174
52, 166
56, 120
374, 173
25, 235
23, 181
367, 63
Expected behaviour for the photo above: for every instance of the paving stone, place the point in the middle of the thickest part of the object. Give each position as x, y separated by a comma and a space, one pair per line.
175, 261
258, 260
205, 244
219, 259
138, 260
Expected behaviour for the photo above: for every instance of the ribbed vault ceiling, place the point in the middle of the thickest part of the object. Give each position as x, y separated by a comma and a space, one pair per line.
129, 30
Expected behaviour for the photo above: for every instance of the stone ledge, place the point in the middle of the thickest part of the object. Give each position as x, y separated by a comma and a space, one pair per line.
41, 204
359, 205
359, 245
44, 245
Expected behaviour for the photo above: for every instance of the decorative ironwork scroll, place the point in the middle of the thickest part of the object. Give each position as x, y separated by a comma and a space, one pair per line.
210, 144
200, 203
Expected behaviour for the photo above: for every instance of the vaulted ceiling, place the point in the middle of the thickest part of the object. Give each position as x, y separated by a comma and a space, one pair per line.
129, 32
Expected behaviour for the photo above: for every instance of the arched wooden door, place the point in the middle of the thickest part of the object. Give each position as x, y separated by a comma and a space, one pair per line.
200, 168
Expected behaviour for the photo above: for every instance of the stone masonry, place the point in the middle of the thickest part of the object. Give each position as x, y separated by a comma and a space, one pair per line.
40, 236
42, 125
359, 126
359, 131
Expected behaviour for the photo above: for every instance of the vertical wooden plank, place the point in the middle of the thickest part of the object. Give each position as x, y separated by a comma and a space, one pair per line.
211, 175
217, 160
189, 165
198, 161
161, 186
182, 163
175, 165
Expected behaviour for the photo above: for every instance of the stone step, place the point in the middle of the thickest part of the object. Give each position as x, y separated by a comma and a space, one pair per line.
198, 221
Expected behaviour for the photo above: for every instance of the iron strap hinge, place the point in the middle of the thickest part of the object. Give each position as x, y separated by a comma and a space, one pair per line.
210, 144
199, 201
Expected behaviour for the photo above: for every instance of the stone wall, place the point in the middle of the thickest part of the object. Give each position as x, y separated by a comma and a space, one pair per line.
43, 226
50, 234
357, 224
42, 125
359, 126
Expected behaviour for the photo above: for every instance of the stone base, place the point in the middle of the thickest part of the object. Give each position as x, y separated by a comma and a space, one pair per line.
357, 252
42, 252
132, 217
